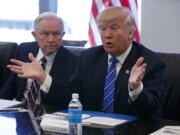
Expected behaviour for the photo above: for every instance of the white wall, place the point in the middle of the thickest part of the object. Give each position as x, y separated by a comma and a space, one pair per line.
160, 28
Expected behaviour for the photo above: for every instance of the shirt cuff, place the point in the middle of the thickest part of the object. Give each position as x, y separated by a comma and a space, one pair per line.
47, 84
133, 94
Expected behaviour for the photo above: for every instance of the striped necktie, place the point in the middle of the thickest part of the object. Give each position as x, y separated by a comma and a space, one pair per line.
33, 91
109, 87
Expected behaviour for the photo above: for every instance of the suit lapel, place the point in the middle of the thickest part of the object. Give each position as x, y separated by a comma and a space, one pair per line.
34, 49
58, 61
129, 62
99, 72
124, 73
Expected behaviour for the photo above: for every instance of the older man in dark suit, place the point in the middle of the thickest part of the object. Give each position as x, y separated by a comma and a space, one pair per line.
59, 65
138, 84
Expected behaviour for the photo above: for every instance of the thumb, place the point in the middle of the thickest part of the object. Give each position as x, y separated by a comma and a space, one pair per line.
31, 57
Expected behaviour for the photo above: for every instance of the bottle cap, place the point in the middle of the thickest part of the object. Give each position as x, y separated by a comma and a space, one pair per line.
75, 95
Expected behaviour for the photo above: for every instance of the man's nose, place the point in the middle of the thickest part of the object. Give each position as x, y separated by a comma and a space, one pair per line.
50, 37
107, 33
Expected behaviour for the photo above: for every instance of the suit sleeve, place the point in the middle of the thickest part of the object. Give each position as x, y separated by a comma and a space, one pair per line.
60, 90
153, 82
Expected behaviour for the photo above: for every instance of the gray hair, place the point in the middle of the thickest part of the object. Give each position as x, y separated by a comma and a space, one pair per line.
48, 15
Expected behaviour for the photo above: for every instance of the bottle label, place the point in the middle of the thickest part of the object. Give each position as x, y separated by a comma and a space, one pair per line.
75, 116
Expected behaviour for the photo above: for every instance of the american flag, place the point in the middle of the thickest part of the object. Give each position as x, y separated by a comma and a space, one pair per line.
98, 6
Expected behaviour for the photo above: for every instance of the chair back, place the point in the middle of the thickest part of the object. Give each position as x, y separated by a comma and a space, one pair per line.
7, 51
171, 95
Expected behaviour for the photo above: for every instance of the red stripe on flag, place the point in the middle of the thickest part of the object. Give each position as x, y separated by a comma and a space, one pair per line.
125, 3
91, 36
107, 3
94, 9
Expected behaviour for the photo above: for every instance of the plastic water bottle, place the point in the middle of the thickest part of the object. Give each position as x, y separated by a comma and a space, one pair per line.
75, 115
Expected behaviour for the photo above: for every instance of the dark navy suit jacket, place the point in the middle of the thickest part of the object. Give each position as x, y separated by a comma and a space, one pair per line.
90, 78
62, 69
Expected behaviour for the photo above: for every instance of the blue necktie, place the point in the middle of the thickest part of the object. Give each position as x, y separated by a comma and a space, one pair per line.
109, 87
35, 86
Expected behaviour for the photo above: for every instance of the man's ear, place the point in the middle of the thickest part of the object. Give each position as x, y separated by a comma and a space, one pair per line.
34, 34
131, 34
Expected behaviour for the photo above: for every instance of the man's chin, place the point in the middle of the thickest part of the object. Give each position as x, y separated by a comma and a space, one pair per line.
111, 51
108, 49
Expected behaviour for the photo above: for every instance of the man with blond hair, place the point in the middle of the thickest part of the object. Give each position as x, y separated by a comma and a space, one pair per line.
137, 85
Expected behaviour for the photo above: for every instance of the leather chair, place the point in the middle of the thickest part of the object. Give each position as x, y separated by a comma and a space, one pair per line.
7, 51
75, 49
171, 95
79, 43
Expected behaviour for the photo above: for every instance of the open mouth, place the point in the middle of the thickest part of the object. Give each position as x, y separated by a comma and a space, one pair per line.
109, 44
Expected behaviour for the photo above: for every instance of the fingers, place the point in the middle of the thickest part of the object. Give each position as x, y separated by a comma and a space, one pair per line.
15, 68
31, 57
141, 71
139, 61
17, 62
20, 63
140, 65
143, 67
18, 68
137, 73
